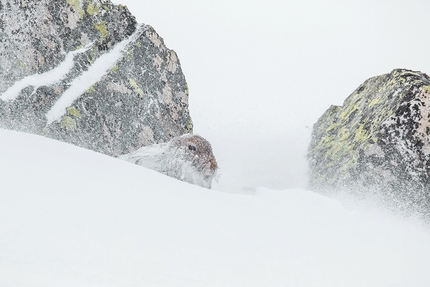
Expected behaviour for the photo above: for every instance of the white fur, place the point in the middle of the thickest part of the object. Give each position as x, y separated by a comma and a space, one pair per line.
176, 160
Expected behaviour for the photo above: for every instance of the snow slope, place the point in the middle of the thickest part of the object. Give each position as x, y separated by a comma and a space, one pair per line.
72, 217
260, 74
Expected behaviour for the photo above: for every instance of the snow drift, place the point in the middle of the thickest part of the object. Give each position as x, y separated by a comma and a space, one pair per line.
73, 217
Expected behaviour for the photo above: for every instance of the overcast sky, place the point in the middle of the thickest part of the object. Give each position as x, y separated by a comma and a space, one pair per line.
294, 57
271, 67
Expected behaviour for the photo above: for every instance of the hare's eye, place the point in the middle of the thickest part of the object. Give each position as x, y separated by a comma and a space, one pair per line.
191, 147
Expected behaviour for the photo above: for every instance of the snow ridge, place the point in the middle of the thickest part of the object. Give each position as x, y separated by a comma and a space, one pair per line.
48, 78
95, 72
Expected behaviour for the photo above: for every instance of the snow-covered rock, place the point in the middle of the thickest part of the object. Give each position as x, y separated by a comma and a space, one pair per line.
86, 73
188, 158
377, 144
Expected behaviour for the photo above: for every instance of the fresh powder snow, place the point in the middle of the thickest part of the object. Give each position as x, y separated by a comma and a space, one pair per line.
260, 74
73, 217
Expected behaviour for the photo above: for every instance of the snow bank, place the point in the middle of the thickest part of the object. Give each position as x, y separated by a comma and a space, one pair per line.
72, 217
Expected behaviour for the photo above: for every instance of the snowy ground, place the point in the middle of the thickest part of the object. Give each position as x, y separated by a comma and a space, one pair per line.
72, 217
260, 73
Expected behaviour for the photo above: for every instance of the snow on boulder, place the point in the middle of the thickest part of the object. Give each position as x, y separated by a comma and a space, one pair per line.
378, 143
86, 73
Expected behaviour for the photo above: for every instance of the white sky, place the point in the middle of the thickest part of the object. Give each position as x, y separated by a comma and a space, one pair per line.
268, 68
278, 54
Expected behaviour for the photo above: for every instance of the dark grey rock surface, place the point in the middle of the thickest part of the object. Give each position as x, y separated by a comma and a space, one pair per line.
378, 143
85, 72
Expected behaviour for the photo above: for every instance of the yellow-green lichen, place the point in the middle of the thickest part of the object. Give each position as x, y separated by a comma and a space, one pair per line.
338, 145
135, 87
374, 102
350, 109
68, 123
101, 27
130, 55
74, 112
139, 44
190, 125
426, 89
91, 89
94, 50
89, 58
361, 134
343, 135
106, 7
114, 69
22, 64
77, 5
91, 9
44, 132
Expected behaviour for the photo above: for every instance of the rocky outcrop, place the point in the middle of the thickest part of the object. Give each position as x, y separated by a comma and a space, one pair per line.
378, 143
84, 72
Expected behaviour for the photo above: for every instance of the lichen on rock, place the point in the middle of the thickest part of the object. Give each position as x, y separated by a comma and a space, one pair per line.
377, 144
111, 114
68, 123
